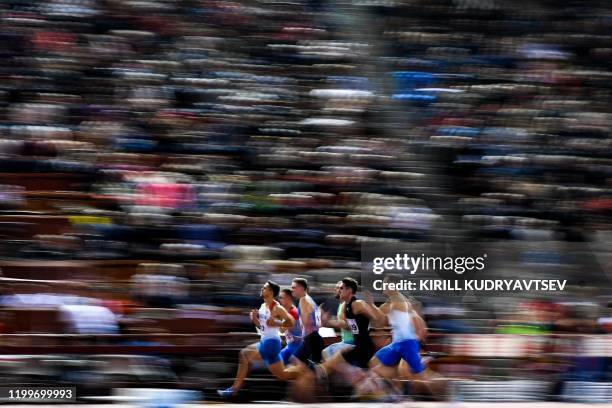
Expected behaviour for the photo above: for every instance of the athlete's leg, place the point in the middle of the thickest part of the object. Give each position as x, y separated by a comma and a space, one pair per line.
421, 375
405, 375
349, 364
272, 354
403, 370
303, 352
248, 356
312, 346
383, 371
385, 362
289, 350
336, 361
433, 382
281, 372
387, 372
296, 368
332, 349
329, 351
317, 347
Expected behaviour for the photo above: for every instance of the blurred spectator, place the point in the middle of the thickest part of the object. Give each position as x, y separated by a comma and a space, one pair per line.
160, 285
89, 319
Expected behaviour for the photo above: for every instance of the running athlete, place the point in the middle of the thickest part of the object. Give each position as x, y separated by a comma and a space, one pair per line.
347, 335
269, 319
293, 336
407, 330
310, 318
356, 316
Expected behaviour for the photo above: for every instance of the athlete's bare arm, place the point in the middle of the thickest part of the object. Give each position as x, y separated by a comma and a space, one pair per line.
339, 323
380, 315
305, 310
385, 308
420, 326
281, 318
255, 317
370, 310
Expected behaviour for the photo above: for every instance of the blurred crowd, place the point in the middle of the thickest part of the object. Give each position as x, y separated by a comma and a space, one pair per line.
175, 154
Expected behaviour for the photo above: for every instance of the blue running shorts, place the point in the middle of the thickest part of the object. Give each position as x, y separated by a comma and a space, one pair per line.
269, 350
406, 349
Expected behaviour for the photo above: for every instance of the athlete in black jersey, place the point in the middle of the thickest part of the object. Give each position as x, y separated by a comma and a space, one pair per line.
356, 317
359, 325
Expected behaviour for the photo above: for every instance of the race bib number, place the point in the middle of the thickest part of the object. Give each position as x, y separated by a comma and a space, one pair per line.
263, 320
317, 314
352, 323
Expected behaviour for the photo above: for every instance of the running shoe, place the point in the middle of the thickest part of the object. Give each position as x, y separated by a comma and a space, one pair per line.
226, 393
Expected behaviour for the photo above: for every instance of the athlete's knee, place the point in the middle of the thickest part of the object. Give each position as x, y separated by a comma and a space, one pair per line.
338, 358
423, 375
334, 362
279, 371
246, 354
374, 361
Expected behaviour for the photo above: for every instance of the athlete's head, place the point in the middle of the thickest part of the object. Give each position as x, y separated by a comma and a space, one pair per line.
348, 289
286, 299
338, 289
270, 289
415, 305
390, 279
299, 287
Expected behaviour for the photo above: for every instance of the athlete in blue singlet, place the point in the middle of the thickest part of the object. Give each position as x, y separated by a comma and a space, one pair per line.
310, 318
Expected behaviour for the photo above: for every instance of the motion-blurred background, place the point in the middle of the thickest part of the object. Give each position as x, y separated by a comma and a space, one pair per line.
160, 160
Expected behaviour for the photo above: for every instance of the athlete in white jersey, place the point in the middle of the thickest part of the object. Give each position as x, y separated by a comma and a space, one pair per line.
402, 325
268, 320
407, 330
